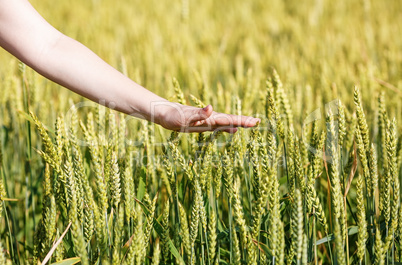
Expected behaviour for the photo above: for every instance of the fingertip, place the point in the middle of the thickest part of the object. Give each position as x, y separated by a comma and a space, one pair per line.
254, 122
208, 110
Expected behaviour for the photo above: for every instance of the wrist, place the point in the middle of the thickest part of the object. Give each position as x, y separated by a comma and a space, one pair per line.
162, 110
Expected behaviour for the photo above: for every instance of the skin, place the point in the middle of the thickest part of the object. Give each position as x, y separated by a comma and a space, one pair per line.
30, 38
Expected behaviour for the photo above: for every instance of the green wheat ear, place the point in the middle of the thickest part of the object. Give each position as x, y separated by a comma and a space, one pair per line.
282, 98
165, 237
373, 168
184, 231
150, 223
272, 112
305, 250
157, 252
361, 217
236, 246
361, 119
195, 217
378, 247
197, 102
227, 166
115, 189
392, 171
212, 235
334, 175
135, 251
179, 92
339, 246
297, 225
117, 235
50, 155
239, 214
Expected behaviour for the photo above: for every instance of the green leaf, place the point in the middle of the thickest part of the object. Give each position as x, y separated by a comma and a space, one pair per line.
141, 185
283, 180
225, 233
265, 249
175, 253
351, 231
69, 261
26, 116
224, 253
182, 189
265, 218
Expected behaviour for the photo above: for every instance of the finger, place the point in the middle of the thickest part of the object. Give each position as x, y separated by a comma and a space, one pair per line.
197, 129
224, 122
229, 129
198, 116
221, 119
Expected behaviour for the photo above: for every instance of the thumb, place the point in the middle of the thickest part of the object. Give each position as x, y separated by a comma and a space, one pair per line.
199, 115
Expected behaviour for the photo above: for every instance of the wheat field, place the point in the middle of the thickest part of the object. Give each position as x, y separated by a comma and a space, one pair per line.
316, 182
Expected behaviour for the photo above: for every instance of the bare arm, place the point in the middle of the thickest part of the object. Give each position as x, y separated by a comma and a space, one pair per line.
26, 35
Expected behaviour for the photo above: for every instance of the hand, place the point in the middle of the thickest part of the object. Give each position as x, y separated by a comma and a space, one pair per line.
177, 117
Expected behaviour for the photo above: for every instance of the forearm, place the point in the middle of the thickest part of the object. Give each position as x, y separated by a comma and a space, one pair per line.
74, 66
